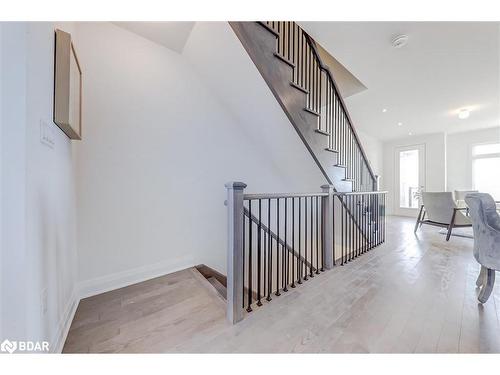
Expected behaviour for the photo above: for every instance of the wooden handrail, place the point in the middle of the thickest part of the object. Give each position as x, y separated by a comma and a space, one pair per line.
324, 67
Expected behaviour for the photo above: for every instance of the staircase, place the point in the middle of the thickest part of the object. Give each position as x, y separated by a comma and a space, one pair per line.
276, 242
287, 58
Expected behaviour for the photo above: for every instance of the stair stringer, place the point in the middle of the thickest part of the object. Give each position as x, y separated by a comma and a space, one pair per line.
260, 45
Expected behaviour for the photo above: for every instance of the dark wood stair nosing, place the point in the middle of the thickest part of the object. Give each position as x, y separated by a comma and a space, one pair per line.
331, 150
341, 165
322, 132
286, 61
268, 28
299, 87
312, 111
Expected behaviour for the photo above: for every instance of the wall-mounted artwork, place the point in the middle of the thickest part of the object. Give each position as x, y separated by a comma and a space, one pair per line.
67, 87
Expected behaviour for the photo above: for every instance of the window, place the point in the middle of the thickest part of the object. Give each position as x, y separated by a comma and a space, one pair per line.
486, 169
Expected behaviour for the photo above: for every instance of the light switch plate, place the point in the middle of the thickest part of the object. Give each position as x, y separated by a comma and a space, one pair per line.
46, 134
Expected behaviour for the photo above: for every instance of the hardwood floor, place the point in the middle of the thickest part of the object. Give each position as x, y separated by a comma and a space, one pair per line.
414, 294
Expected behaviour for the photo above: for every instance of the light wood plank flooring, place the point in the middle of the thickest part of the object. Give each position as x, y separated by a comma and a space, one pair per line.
414, 294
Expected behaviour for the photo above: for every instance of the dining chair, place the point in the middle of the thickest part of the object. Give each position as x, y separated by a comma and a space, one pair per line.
486, 228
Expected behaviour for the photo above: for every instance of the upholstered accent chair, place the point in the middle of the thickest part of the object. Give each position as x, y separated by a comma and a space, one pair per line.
486, 227
439, 209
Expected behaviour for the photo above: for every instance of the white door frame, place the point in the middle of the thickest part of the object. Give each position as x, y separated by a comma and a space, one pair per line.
401, 211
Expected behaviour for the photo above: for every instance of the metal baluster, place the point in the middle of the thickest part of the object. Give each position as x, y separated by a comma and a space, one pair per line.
270, 252
305, 237
259, 239
299, 263
249, 307
333, 228
312, 239
285, 260
317, 235
244, 243
277, 247
293, 242
351, 229
341, 231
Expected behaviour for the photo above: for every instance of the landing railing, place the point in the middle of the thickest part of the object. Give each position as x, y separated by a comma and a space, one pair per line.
359, 224
313, 77
278, 241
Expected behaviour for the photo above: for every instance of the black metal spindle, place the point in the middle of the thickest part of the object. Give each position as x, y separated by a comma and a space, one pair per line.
244, 251
312, 239
270, 252
285, 259
293, 243
305, 236
277, 247
259, 239
299, 263
249, 307
333, 229
317, 235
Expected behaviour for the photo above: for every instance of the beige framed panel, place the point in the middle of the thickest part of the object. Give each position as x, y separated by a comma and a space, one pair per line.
67, 86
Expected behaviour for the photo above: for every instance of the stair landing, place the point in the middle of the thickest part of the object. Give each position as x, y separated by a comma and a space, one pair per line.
152, 316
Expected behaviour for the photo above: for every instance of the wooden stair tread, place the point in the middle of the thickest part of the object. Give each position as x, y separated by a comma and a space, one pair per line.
299, 87
331, 150
322, 132
312, 111
268, 28
285, 60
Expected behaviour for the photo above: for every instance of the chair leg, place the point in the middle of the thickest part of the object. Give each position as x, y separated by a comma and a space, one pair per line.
450, 227
419, 218
481, 277
487, 287
448, 235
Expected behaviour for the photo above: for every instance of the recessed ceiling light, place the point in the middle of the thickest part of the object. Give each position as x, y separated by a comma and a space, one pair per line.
410, 133
400, 41
384, 110
400, 123
463, 114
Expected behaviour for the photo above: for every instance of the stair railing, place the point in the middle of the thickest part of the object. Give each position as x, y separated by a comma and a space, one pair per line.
278, 241
324, 100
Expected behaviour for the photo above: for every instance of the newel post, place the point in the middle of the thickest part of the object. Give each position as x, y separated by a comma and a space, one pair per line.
377, 182
327, 217
234, 312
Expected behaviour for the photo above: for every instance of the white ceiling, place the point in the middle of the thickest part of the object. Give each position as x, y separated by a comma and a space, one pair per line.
173, 35
444, 67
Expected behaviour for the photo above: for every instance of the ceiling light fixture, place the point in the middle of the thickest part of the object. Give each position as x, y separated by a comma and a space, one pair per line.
400, 123
410, 133
463, 114
384, 110
400, 41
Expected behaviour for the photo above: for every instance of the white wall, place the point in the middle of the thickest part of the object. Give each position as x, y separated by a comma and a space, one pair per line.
435, 167
374, 151
158, 147
13, 273
38, 192
458, 155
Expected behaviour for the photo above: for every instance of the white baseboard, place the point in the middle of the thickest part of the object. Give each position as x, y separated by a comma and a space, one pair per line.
65, 323
118, 280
